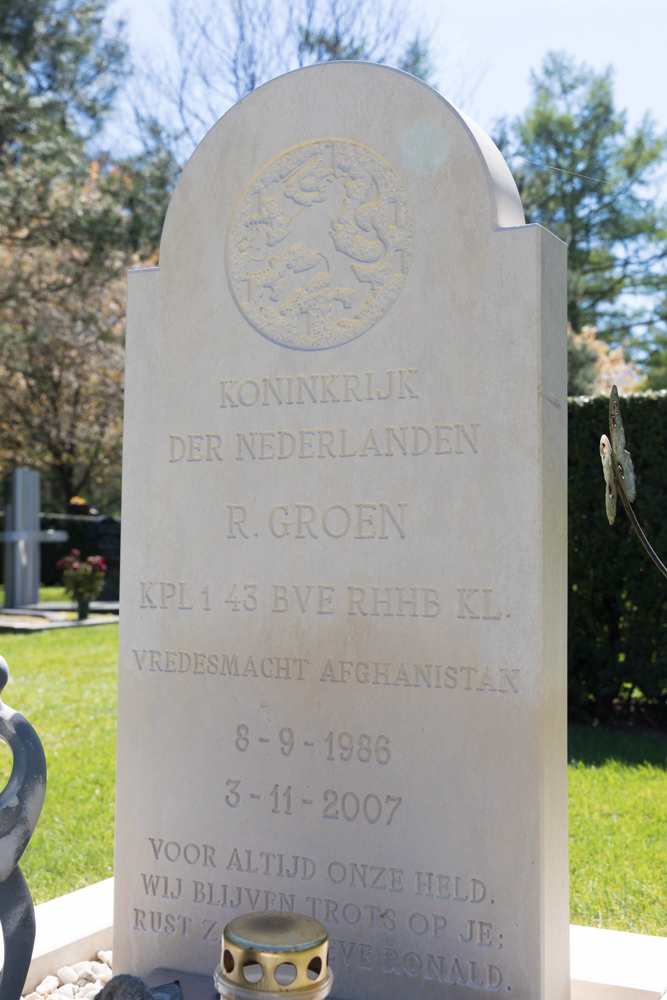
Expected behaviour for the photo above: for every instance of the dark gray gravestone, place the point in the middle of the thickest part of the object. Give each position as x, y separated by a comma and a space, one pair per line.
22, 539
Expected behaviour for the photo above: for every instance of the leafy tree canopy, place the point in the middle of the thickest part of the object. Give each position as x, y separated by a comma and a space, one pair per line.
59, 71
60, 64
590, 179
61, 368
71, 221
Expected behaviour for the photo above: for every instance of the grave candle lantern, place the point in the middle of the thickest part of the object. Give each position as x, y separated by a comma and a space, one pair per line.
272, 954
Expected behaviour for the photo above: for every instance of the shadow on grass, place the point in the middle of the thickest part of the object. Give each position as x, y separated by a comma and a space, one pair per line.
588, 746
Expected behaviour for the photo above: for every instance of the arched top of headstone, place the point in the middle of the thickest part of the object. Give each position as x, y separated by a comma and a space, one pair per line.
343, 173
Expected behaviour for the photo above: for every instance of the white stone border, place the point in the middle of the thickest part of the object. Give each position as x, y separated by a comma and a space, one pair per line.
605, 965
615, 965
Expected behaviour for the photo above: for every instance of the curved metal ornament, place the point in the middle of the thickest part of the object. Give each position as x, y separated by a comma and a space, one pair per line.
21, 803
619, 476
607, 467
624, 467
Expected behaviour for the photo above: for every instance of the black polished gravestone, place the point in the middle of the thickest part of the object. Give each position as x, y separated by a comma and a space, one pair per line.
105, 541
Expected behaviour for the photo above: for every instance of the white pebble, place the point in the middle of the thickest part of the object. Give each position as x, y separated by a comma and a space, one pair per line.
80, 980
47, 986
67, 975
102, 971
67, 990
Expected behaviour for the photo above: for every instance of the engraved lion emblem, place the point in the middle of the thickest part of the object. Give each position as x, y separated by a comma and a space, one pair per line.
319, 243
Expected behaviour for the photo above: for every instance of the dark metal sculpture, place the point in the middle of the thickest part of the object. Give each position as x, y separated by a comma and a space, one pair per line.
21, 803
619, 475
125, 988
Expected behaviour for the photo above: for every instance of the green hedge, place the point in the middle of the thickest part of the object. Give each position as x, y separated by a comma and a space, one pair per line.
617, 630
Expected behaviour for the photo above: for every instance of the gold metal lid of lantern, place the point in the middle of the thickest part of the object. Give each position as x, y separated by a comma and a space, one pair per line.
274, 954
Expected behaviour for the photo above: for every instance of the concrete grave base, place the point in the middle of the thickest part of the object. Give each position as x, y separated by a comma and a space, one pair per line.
615, 965
40, 617
605, 965
24, 622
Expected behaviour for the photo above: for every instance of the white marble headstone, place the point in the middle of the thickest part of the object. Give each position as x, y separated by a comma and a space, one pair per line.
342, 662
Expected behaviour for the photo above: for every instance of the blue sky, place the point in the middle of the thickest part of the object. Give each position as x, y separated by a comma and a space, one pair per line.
508, 38
489, 47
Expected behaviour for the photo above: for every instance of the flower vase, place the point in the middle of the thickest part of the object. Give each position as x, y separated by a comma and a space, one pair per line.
83, 610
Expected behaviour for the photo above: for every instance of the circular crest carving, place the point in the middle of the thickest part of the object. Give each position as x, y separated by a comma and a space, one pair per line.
319, 243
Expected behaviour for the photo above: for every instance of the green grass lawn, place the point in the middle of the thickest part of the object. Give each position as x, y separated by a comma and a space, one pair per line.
45, 594
65, 683
618, 831
53, 594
